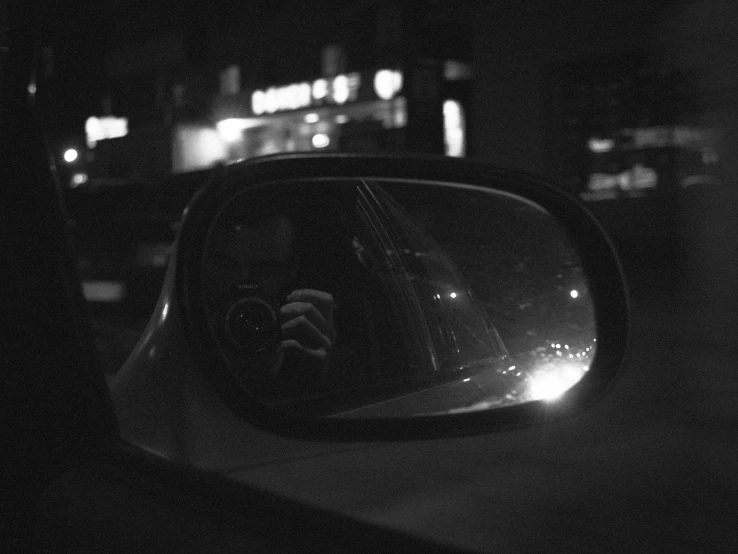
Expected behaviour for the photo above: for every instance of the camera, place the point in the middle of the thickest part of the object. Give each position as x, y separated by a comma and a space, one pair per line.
250, 320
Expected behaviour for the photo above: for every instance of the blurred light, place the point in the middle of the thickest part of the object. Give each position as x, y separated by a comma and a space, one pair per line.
574, 293
101, 128
103, 291
511, 367
341, 118
699, 180
600, 145
312, 118
640, 177
274, 99
78, 179
341, 89
164, 312
454, 129
551, 382
709, 156
71, 155
387, 83
400, 113
320, 89
270, 100
558, 345
457, 71
453, 295
258, 102
231, 129
32, 89
302, 93
566, 346
198, 147
321, 140
467, 379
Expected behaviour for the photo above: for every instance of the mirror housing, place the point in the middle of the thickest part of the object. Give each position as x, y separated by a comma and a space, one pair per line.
596, 254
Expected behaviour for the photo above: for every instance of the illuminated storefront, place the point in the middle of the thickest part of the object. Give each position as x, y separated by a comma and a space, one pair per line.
353, 112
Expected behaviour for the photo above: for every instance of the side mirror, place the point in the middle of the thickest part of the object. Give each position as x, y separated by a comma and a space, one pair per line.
378, 296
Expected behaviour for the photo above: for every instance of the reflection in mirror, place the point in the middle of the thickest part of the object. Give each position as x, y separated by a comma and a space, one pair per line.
380, 298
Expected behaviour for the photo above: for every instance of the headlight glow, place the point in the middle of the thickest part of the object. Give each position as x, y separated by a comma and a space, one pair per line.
551, 382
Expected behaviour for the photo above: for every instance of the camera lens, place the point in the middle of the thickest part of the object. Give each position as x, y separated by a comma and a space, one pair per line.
252, 324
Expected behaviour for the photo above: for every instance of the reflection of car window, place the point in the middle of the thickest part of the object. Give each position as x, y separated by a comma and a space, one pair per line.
449, 328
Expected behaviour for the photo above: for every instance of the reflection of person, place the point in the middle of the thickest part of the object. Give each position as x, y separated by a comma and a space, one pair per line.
264, 251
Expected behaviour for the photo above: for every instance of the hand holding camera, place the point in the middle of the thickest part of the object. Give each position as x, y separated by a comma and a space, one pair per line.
308, 329
300, 327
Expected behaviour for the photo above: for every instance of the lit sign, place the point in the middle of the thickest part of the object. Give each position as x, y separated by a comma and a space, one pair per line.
101, 128
338, 90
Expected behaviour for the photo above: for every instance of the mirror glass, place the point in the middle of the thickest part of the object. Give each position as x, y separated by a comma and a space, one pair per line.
387, 298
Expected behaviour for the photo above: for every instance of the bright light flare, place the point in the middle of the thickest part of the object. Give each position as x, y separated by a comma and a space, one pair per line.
321, 140
553, 381
387, 83
71, 155
231, 129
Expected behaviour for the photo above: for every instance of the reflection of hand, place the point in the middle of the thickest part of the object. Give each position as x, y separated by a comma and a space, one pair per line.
307, 326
